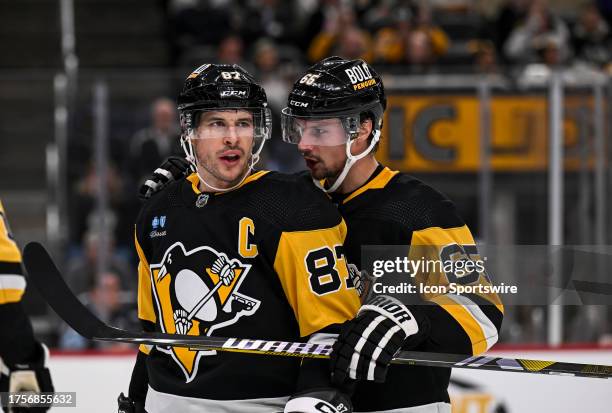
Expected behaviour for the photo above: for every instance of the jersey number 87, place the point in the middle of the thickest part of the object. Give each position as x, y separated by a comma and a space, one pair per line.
323, 274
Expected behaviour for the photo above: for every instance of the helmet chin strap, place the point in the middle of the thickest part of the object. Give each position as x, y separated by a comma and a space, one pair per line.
350, 161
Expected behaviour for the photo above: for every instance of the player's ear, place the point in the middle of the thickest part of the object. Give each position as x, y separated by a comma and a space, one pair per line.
365, 130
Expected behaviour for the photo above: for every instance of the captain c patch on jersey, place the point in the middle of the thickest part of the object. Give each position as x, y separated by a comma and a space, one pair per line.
196, 293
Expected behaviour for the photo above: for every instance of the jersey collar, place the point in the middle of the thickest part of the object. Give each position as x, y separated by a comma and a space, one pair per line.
193, 178
379, 179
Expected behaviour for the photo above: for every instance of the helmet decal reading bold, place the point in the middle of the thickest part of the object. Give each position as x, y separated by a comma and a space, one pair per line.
358, 73
360, 76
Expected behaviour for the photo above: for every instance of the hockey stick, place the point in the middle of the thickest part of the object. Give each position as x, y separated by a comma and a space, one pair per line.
44, 274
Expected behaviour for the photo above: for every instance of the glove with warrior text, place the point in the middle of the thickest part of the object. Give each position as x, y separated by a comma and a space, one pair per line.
324, 400
172, 169
368, 342
31, 376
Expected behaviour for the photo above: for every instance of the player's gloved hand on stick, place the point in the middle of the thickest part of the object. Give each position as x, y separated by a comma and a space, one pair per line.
324, 400
31, 375
368, 342
172, 169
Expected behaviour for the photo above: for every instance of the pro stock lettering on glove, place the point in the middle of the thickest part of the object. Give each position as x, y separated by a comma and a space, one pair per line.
366, 344
172, 169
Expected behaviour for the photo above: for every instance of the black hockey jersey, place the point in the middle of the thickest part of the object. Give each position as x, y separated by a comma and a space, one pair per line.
394, 208
277, 237
16, 336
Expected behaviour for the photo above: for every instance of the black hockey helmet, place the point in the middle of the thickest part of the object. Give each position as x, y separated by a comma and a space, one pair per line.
214, 87
328, 104
218, 86
336, 87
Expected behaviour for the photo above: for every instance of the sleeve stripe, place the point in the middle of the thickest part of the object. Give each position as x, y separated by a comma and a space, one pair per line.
12, 282
493, 312
12, 268
488, 327
145, 295
12, 287
10, 296
479, 328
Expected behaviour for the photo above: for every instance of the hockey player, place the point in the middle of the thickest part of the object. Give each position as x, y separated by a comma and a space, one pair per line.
23, 360
334, 114
230, 251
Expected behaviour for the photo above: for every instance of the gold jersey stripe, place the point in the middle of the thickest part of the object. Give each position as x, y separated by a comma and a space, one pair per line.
466, 320
145, 295
195, 181
380, 181
10, 296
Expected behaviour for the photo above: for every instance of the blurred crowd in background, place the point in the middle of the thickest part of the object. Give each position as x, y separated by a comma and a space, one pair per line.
398, 36
275, 40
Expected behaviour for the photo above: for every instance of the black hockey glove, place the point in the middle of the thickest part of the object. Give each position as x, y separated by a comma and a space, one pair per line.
31, 375
126, 405
172, 169
325, 400
368, 342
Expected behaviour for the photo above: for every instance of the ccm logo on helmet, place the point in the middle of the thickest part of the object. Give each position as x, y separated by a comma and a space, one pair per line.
298, 104
233, 93
360, 76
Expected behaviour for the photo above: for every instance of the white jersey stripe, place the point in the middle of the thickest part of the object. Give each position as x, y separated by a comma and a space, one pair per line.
12, 282
488, 328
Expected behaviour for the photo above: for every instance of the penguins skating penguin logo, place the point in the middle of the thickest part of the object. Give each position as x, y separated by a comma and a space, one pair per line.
197, 293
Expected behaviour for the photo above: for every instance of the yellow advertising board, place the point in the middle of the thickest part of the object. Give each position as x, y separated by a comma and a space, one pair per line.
437, 133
